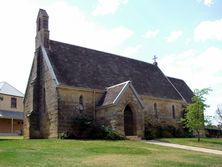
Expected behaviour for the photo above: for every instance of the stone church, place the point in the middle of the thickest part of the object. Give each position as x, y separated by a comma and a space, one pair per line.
68, 80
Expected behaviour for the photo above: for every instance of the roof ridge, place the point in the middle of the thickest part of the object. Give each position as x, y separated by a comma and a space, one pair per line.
105, 52
126, 82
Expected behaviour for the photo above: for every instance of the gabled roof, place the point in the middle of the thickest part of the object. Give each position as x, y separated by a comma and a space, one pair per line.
7, 89
114, 93
11, 114
182, 87
82, 67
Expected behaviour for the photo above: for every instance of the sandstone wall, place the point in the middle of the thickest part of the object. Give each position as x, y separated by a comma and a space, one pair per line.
41, 104
113, 116
164, 115
5, 104
69, 105
28, 103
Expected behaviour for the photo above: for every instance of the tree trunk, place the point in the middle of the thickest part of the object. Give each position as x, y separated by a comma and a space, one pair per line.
198, 135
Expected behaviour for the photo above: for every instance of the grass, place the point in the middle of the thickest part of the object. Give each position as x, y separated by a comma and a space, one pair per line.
212, 143
11, 137
79, 153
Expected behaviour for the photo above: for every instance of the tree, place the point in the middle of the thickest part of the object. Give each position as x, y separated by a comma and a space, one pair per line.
194, 117
219, 113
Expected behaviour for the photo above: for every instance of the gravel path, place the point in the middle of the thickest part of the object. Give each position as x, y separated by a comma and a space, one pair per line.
199, 149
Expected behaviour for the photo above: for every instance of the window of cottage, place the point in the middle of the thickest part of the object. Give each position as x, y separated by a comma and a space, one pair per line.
13, 102
155, 110
173, 111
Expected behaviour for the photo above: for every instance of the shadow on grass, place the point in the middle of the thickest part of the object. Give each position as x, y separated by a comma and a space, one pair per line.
119, 150
211, 142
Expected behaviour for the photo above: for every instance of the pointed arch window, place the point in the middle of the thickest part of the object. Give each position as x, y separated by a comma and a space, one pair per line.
81, 106
155, 110
44, 100
173, 112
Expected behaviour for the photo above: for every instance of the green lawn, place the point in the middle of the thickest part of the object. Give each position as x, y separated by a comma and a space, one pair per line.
213, 143
11, 137
64, 153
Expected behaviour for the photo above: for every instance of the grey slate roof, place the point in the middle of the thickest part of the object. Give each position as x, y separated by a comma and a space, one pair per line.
83, 67
182, 87
11, 114
112, 93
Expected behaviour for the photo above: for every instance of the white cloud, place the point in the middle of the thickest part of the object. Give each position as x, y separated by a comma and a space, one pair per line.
131, 51
208, 3
108, 6
188, 41
17, 41
174, 36
199, 70
152, 34
79, 30
66, 23
208, 30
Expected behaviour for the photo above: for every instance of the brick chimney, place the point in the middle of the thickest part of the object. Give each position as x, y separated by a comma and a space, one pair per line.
42, 31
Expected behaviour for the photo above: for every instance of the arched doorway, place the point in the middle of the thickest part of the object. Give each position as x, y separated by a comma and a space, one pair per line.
128, 121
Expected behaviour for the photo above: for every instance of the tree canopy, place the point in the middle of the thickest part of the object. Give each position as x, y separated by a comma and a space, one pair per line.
194, 117
219, 113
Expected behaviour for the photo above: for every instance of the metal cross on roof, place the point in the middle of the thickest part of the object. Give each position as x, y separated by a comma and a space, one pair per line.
155, 58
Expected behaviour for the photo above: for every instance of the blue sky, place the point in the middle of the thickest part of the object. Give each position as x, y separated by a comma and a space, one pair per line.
185, 35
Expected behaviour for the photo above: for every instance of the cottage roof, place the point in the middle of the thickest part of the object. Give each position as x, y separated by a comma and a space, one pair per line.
7, 89
82, 67
11, 114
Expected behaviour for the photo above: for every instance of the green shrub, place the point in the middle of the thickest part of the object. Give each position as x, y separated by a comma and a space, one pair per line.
63, 135
151, 131
156, 131
85, 127
183, 133
167, 131
109, 134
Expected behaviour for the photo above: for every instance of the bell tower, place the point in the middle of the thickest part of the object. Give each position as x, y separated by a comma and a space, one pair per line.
42, 31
